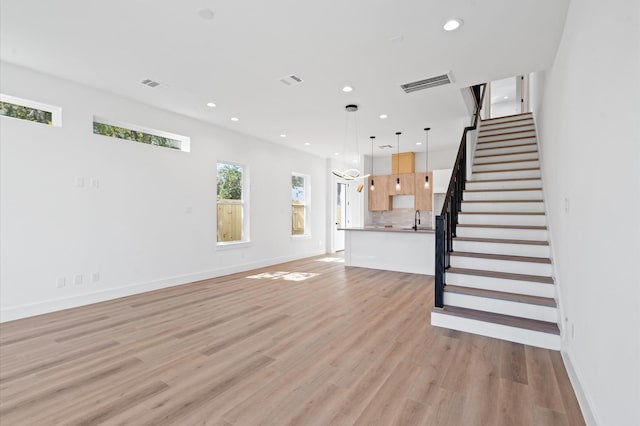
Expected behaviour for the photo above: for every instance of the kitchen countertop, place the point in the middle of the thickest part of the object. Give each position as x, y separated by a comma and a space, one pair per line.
389, 229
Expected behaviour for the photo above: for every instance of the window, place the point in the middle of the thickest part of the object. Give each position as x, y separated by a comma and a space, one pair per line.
300, 204
140, 134
232, 215
24, 109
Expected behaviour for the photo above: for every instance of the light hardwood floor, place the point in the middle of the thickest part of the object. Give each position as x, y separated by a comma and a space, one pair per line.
346, 346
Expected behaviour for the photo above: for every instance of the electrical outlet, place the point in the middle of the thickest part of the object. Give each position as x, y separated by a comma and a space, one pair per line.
77, 279
61, 282
95, 277
566, 205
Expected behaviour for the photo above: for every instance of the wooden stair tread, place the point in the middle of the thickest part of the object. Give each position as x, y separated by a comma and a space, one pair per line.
506, 127
501, 180
501, 257
527, 169
506, 153
474, 225
507, 146
502, 241
515, 132
506, 162
503, 190
524, 115
500, 275
503, 201
500, 295
508, 213
504, 140
507, 320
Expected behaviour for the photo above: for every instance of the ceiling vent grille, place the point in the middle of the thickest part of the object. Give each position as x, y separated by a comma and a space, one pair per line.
291, 80
385, 146
150, 83
426, 83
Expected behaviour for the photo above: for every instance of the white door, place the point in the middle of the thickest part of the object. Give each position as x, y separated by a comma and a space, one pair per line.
340, 215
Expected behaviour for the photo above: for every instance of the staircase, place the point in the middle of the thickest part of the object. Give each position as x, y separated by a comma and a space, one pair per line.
499, 282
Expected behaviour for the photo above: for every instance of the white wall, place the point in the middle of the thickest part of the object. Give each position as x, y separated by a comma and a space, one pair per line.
587, 109
151, 223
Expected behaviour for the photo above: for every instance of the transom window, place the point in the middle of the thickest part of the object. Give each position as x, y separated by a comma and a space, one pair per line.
140, 134
24, 109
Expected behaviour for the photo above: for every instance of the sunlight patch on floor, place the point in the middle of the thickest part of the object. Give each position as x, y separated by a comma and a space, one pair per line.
331, 259
287, 276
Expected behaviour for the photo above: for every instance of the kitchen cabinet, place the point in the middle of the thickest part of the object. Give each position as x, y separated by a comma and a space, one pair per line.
424, 199
407, 184
379, 198
405, 162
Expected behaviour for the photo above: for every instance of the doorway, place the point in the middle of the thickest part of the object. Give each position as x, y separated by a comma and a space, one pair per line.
508, 96
340, 216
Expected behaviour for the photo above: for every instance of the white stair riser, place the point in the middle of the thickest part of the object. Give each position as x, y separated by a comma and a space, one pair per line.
510, 128
504, 307
504, 233
498, 137
506, 150
485, 145
505, 166
503, 195
500, 284
520, 118
498, 331
520, 174
509, 206
510, 157
502, 248
513, 184
526, 268
502, 219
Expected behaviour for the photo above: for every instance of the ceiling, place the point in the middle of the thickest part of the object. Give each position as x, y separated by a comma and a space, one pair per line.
237, 59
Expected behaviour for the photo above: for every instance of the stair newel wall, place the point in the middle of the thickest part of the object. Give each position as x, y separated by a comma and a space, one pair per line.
447, 221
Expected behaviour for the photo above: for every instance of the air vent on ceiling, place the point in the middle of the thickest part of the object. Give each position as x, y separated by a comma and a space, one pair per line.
291, 80
385, 146
426, 83
150, 83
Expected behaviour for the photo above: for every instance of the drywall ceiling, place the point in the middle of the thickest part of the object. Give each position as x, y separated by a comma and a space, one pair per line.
237, 59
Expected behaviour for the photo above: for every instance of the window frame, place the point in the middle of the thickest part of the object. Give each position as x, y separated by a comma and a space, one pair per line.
306, 204
244, 202
55, 111
185, 141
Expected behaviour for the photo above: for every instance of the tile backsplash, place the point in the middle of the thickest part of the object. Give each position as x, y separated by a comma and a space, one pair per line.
400, 218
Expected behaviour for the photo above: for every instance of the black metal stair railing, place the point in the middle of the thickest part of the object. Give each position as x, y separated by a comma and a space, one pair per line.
447, 221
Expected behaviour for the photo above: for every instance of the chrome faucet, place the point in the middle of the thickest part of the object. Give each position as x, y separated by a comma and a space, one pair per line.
416, 220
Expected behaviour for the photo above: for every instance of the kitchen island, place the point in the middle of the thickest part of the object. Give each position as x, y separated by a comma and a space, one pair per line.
390, 249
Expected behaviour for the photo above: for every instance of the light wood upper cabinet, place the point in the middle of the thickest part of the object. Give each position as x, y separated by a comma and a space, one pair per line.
407, 163
379, 198
424, 199
407, 184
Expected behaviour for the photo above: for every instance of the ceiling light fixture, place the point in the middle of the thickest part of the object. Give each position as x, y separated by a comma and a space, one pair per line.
235, 119
347, 89
283, 135
211, 105
354, 173
307, 143
418, 143
372, 184
336, 153
426, 154
383, 116
452, 24
398, 171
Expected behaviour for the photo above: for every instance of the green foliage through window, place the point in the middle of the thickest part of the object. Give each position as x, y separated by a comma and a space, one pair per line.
25, 113
229, 182
134, 135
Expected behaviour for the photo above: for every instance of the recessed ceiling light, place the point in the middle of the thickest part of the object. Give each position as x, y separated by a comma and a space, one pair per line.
336, 153
383, 116
418, 143
283, 135
211, 105
307, 143
506, 97
235, 119
452, 24
347, 89
206, 14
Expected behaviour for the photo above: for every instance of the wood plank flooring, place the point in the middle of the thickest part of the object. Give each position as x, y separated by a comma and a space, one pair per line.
319, 345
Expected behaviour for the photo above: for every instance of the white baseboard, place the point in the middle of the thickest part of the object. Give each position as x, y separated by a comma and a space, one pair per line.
583, 399
11, 313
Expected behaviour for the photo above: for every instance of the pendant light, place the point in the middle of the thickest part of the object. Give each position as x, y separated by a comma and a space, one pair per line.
426, 154
351, 174
398, 176
372, 184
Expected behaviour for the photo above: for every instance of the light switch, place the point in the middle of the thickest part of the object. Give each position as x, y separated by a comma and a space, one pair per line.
94, 182
95, 277
79, 181
77, 279
61, 282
